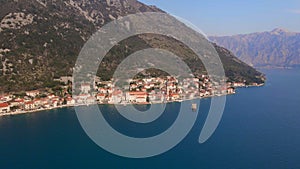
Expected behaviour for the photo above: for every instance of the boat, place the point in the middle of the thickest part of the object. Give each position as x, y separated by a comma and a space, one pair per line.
194, 107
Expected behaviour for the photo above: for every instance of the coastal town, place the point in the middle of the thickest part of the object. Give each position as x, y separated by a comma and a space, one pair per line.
139, 91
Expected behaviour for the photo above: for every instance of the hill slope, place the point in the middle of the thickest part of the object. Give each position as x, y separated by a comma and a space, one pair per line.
41, 39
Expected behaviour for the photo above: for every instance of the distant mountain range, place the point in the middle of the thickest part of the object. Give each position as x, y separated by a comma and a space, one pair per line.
41, 39
279, 48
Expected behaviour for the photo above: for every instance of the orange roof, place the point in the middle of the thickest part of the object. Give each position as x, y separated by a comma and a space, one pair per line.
91, 98
29, 102
2, 105
174, 94
69, 99
137, 93
83, 95
117, 92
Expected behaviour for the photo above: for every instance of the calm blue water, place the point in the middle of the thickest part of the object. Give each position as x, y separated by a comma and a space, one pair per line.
260, 129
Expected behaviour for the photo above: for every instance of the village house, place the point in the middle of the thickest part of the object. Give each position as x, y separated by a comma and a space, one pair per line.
110, 90
136, 97
29, 105
102, 90
50, 96
100, 97
116, 97
230, 90
17, 102
85, 88
47, 105
141, 99
6, 98
238, 84
133, 86
174, 96
37, 102
91, 100
152, 97
70, 101
54, 103
4, 108
44, 101
32, 93
147, 86
64, 79
81, 99
157, 97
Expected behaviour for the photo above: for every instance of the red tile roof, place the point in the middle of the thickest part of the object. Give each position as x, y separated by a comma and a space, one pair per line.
30, 102
138, 93
2, 105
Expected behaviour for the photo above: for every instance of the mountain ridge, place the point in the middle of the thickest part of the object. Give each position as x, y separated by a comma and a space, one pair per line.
276, 48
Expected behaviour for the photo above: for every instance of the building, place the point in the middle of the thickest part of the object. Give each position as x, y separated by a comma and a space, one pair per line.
91, 100
51, 96
5, 98
137, 97
81, 99
4, 108
238, 84
141, 99
17, 102
32, 93
65, 79
85, 88
70, 101
230, 90
29, 105
102, 90
100, 97
174, 96
54, 103
116, 96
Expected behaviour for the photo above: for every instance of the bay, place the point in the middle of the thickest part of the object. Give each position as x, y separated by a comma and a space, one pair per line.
260, 128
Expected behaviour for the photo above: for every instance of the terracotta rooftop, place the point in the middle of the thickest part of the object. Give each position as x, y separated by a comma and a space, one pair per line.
2, 105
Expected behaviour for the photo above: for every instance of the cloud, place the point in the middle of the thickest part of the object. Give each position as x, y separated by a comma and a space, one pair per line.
295, 11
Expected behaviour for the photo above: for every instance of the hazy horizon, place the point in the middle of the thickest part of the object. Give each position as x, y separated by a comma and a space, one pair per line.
219, 18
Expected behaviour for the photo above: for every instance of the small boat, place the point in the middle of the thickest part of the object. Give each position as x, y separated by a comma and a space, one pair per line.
194, 107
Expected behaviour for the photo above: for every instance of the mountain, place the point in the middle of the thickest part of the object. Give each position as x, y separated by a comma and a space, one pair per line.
277, 48
41, 39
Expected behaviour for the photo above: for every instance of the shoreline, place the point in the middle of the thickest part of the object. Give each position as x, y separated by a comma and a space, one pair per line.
70, 106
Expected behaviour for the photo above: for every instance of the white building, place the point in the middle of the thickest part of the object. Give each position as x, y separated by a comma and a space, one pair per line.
101, 97
70, 101
5, 98
32, 93
4, 108
85, 88
29, 105
137, 97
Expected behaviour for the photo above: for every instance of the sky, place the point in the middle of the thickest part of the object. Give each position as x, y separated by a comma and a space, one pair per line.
229, 17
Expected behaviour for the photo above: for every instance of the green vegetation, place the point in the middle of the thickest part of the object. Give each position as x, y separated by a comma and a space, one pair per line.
53, 41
